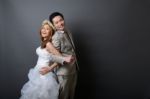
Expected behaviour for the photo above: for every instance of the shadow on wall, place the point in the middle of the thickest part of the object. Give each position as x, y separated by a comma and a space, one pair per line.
86, 77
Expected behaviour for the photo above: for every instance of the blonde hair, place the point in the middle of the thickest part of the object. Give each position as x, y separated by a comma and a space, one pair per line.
44, 42
49, 23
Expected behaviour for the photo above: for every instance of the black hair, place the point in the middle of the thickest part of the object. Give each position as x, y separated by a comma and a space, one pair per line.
54, 14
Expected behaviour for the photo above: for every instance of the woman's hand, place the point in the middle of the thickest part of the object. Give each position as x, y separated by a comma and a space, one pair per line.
45, 70
69, 59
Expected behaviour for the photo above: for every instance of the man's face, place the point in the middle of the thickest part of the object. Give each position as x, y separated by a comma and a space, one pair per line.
59, 23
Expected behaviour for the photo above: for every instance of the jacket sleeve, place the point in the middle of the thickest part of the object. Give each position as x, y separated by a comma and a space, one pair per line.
56, 41
58, 59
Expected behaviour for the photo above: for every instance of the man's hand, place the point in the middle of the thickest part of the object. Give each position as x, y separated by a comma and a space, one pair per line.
45, 70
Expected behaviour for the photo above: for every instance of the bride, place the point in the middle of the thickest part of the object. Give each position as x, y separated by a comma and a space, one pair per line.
44, 86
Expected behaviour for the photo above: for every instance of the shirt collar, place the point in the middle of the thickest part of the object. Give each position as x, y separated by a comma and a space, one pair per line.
61, 31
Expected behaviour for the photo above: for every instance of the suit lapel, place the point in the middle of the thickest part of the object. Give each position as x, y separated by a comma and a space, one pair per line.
70, 39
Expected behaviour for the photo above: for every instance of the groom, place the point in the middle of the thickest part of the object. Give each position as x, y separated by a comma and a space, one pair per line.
67, 73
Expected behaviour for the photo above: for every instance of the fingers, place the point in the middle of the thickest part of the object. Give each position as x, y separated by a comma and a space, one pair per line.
44, 70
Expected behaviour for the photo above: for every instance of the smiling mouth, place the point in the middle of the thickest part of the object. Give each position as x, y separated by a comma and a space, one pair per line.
61, 27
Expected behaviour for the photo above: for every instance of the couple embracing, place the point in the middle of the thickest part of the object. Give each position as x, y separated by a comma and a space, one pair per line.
55, 74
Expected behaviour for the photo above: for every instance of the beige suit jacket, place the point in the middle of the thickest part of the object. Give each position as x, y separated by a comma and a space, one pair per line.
64, 43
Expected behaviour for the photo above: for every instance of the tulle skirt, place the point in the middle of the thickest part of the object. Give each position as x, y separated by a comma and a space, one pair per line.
40, 86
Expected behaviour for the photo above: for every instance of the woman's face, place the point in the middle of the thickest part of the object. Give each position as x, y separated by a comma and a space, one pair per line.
59, 23
45, 31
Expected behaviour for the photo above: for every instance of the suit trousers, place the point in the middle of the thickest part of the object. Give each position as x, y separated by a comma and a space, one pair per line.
67, 86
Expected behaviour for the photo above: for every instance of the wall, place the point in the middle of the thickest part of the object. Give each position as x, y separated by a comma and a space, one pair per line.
111, 37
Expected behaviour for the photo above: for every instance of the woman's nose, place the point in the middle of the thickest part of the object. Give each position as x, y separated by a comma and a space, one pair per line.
43, 30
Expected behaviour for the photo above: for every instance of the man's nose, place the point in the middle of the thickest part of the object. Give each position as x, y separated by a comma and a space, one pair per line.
60, 23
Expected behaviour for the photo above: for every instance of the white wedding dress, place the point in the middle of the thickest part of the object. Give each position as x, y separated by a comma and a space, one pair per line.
41, 86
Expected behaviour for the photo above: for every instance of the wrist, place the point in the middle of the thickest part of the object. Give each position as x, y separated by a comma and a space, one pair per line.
51, 68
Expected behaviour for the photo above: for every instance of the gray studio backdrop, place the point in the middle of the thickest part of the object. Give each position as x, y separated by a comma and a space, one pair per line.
111, 37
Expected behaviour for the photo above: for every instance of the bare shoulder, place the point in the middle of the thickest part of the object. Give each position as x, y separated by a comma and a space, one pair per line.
49, 44
51, 48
